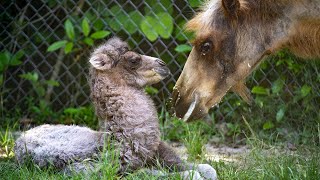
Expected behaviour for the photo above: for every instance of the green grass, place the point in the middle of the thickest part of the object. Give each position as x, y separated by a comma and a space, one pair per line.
265, 161
260, 163
7, 143
273, 164
106, 167
194, 143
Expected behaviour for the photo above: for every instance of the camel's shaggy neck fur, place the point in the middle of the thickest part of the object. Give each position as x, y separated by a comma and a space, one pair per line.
129, 114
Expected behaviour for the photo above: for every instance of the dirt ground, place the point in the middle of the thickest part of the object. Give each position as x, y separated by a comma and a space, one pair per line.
214, 153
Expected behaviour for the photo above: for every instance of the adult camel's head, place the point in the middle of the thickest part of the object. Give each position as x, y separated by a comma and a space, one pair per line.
231, 38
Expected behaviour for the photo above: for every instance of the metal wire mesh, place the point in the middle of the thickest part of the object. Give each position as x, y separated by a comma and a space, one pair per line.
32, 26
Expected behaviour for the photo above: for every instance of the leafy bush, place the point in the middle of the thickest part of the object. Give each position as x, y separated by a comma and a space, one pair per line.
38, 107
7, 60
71, 39
285, 105
79, 115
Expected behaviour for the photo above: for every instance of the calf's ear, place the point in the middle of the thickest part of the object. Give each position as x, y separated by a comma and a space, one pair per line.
231, 7
107, 55
101, 61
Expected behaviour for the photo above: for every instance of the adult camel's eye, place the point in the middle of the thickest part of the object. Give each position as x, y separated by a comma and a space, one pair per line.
206, 47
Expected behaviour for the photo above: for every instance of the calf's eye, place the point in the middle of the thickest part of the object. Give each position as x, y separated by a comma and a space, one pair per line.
134, 62
206, 47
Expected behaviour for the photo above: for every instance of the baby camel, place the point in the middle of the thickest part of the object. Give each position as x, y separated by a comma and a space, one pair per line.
126, 114
117, 78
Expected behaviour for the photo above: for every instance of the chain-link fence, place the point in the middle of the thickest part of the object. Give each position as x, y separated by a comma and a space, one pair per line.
71, 29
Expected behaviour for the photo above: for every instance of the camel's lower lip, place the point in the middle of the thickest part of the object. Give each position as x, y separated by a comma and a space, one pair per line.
190, 109
163, 71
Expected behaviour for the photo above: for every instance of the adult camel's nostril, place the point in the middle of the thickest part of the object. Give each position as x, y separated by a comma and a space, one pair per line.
161, 62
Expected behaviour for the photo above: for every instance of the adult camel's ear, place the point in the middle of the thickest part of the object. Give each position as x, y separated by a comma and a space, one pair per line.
231, 8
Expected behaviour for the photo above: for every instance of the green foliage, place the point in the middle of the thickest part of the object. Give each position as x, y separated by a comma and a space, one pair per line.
157, 25
305, 90
85, 27
277, 86
7, 60
158, 6
155, 20
260, 90
164, 26
280, 114
285, 106
174, 129
148, 28
68, 48
79, 115
132, 24
89, 41
119, 15
181, 34
183, 48
39, 109
69, 29
233, 129
57, 45
195, 3
268, 125
151, 90
38, 85
100, 34
33, 77
73, 39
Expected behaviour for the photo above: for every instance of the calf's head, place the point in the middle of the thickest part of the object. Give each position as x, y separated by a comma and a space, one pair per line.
114, 61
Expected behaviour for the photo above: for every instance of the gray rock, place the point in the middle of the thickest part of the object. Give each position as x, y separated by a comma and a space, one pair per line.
207, 171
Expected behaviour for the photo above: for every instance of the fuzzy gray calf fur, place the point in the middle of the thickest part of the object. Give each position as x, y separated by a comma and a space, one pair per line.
65, 148
57, 145
117, 77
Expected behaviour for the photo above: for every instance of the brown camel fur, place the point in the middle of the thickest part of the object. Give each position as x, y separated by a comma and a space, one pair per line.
231, 39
